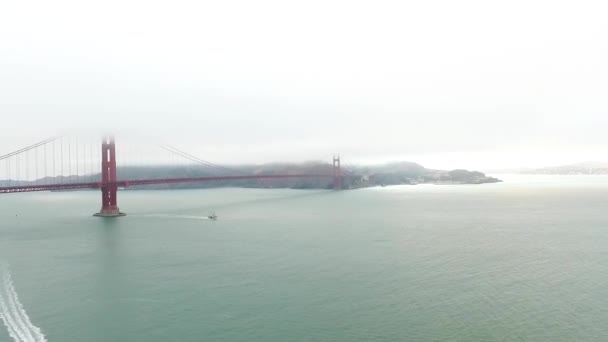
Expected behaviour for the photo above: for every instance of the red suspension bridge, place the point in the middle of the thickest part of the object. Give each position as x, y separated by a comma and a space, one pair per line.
61, 164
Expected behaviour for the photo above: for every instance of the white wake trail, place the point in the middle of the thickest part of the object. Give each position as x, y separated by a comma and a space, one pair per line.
31, 329
12, 305
12, 333
12, 327
9, 327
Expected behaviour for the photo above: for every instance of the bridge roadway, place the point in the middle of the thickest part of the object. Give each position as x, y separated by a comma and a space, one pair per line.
127, 183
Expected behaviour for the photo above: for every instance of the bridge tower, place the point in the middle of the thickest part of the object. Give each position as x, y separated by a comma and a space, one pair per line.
337, 173
108, 179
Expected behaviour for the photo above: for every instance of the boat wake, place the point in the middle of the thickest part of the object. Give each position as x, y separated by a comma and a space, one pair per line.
190, 217
12, 313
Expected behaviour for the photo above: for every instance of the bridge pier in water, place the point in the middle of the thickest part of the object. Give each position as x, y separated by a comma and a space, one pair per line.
109, 187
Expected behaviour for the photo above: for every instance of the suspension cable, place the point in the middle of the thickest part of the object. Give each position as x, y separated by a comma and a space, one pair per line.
28, 147
196, 159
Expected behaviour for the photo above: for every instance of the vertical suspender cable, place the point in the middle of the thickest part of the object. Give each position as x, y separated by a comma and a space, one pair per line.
61, 179
92, 161
77, 160
84, 162
36, 164
98, 155
46, 179
53, 160
69, 158
89, 168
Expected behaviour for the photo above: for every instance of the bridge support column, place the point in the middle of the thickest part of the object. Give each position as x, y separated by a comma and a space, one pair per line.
109, 188
337, 173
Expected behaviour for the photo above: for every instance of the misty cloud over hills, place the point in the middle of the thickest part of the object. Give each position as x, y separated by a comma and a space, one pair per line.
395, 173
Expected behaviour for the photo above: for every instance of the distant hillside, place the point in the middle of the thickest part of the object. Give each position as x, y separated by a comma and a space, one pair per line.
412, 173
586, 168
354, 177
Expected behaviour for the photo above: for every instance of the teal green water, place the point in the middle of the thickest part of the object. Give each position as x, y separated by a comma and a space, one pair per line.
524, 260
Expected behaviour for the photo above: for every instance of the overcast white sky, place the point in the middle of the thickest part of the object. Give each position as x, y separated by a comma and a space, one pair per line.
449, 84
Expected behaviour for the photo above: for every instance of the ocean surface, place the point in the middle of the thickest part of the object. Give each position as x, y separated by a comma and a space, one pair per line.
523, 260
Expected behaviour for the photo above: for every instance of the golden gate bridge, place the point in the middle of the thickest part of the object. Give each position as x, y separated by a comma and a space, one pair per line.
57, 164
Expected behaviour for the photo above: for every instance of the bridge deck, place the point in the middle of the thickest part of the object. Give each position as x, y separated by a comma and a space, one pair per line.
127, 183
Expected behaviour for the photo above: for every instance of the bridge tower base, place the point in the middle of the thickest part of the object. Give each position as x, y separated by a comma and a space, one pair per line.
109, 188
109, 213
